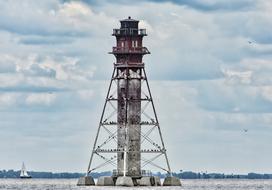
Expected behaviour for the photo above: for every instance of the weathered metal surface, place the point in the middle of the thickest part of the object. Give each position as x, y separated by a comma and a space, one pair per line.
129, 115
129, 50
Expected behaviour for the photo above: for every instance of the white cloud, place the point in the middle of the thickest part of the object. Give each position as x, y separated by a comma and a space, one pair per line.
45, 99
266, 92
74, 9
7, 67
217, 81
236, 77
86, 94
7, 99
10, 80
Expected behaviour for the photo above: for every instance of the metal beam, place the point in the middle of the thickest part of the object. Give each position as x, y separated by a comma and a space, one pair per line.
98, 130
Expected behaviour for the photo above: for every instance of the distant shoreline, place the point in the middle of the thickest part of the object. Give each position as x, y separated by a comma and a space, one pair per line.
182, 175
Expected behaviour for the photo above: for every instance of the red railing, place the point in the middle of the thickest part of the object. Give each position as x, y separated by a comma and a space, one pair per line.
130, 50
129, 31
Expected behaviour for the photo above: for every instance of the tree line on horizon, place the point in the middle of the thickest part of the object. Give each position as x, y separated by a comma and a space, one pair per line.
181, 175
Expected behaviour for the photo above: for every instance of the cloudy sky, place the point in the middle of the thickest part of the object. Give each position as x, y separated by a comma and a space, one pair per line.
210, 71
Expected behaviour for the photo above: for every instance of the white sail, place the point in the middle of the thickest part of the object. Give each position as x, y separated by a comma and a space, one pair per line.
23, 171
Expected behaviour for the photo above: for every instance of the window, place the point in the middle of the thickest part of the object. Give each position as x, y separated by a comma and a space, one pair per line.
134, 43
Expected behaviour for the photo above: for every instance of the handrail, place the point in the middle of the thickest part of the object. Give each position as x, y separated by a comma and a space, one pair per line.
130, 50
129, 31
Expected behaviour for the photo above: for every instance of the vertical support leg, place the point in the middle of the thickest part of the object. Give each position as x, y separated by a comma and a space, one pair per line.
126, 126
99, 127
153, 107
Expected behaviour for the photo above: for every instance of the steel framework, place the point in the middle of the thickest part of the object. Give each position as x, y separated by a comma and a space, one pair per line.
108, 125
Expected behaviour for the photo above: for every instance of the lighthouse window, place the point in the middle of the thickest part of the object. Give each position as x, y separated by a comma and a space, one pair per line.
122, 44
134, 43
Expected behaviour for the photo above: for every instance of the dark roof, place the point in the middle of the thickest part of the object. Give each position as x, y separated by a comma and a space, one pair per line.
129, 19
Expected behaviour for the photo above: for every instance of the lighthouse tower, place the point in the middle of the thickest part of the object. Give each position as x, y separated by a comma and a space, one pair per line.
129, 52
125, 120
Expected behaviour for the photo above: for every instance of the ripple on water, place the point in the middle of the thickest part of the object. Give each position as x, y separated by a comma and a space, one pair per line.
70, 184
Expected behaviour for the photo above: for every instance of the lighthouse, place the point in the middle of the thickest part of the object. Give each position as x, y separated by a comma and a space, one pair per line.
129, 52
128, 125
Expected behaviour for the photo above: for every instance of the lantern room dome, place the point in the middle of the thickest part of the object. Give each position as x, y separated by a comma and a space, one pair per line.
129, 23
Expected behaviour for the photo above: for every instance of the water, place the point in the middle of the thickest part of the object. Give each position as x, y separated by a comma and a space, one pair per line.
70, 184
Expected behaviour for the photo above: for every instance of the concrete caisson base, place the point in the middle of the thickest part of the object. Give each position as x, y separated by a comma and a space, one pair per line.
124, 181
105, 181
137, 182
85, 181
171, 181
157, 181
150, 181
146, 181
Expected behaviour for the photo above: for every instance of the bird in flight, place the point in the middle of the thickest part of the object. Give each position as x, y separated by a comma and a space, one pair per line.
245, 130
250, 42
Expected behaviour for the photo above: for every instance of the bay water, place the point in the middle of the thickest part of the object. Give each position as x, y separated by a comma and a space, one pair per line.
197, 184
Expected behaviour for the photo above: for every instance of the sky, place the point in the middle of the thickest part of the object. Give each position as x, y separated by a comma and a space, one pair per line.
209, 71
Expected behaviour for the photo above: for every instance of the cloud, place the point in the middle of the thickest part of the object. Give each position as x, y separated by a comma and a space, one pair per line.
51, 40
212, 5
253, 25
37, 70
242, 77
7, 99
210, 60
40, 99
29, 88
219, 96
254, 72
86, 94
203, 5
180, 26
7, 67
47, 20
266, 92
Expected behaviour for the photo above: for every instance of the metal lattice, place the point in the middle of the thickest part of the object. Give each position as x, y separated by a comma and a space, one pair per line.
106, 150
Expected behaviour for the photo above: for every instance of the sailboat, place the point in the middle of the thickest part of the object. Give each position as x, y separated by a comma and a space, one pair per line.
24, 173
